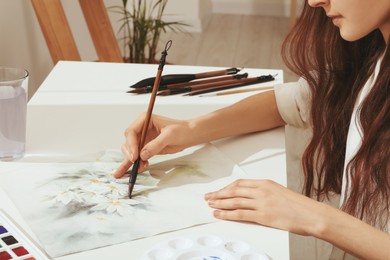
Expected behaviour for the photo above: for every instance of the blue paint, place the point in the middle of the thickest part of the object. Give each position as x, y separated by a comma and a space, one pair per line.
3, 230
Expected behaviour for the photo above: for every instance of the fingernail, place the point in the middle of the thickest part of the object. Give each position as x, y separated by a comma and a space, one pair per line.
131, 158
210, 202
115, 174
145, 155
207, 196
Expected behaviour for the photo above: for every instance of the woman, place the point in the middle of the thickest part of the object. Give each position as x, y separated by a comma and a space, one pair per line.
339, 48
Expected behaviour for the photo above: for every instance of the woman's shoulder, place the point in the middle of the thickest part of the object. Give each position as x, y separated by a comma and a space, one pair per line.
293, 100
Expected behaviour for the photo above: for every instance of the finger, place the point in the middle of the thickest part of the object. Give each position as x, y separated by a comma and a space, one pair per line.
143, 165
232, 204
127, 153
132, 138
241, 183
249, 183
139, 122
231, 191
245, 215
156, 145
130, 148
125, 165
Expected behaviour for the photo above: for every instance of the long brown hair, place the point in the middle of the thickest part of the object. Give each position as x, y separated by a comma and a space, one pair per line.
336, 71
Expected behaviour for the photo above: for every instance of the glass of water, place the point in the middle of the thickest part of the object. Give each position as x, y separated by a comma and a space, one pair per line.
13, 108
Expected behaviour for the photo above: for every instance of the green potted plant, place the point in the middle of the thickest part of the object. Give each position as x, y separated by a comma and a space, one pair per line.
141, 26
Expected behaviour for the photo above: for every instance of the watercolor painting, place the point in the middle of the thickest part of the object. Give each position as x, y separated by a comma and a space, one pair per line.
73, 206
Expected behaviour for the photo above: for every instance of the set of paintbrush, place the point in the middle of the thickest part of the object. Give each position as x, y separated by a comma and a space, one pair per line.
200, 83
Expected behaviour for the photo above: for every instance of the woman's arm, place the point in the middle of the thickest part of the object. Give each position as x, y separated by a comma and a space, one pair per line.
253, 114
353, 235
270, 204
166, 135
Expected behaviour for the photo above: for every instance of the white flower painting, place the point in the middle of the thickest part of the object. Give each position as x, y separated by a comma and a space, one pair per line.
78, 206
95, 190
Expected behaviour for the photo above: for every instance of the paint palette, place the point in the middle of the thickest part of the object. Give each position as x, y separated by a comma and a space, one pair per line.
204, 248
14, 244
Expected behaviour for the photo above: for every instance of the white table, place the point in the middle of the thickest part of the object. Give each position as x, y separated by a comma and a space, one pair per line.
98, 91
82, 107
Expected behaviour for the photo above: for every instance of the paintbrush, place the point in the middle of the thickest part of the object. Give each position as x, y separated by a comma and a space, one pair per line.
237, 91
178, 78
246, 82
148, 89
134, 170
216, 85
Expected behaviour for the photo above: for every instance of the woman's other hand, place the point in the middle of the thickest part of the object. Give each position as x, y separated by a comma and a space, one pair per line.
267, 203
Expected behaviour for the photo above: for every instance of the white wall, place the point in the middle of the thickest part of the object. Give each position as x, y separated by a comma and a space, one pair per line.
22, 43
193, 12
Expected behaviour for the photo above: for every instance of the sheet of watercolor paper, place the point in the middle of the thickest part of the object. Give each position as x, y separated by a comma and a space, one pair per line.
77, 205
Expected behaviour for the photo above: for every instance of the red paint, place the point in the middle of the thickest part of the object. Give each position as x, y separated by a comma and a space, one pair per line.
5, 256
19, 251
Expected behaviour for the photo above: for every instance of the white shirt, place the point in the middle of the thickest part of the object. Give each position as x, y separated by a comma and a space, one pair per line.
355, 134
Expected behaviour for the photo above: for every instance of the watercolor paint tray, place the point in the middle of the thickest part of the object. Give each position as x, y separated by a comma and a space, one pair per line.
15, 244
208, 247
